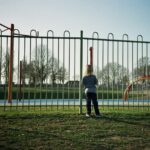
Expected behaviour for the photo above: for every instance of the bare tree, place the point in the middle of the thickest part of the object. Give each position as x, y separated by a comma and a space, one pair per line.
61, 74
5, 66
113, 73
44, 66
143, 67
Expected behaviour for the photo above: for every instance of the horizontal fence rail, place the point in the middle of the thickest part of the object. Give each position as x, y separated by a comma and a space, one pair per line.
47, 70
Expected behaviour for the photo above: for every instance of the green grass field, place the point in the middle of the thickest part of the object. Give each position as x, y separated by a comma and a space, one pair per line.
67, 130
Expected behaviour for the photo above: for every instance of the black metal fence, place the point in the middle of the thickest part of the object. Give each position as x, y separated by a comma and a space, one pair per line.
47, 70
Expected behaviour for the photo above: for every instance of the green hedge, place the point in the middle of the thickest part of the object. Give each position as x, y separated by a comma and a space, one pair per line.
55, 95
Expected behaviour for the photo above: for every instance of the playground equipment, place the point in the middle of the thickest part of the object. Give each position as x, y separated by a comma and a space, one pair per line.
91, 56
10, 60
127, 90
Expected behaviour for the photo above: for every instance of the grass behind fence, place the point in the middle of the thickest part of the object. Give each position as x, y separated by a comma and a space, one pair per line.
66, 93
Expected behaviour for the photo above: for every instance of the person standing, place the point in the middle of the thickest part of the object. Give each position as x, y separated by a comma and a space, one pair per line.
89, 82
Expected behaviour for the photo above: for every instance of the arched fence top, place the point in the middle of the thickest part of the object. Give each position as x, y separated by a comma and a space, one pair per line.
17, 30
66, 31
96, 34
33, 30
110, 34
125, 35
110, 37
52, 32
140, 36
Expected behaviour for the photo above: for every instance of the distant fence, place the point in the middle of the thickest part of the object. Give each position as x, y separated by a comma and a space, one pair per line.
46, 70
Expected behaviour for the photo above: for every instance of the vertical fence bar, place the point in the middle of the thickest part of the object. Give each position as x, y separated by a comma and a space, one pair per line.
137, 87
87, 51
109, 70
20, 81
69, 71
142, 73
81, 70
46, 91
102, 74
118, 80
97, 63
7, 70
30, 71
41, 72
125, 73
23, 71
63, 90
147, 73
36, 78
128, 78
53, 72
18, 69
58, 73
132, 71
74, 71
52, 64
122, 70
11, 65
0, 56
113, 74
1, 61
69, 86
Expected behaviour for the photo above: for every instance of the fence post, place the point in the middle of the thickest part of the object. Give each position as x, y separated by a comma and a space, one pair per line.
81, 70
10, 77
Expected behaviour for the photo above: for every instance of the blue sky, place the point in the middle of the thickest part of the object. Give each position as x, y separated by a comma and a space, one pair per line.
104, 16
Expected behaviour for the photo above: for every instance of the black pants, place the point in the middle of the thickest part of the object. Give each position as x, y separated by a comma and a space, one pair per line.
92, 97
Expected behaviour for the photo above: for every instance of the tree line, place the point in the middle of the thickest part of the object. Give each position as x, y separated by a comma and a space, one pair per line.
114, 74
45, 68
36, 70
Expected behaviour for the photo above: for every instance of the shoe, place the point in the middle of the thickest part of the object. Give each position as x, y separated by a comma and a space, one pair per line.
87, 115
98, 116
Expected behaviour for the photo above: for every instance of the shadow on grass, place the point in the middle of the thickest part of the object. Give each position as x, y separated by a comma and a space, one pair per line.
143, 121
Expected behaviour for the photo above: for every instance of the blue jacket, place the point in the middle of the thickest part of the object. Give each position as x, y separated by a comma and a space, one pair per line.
90, 82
